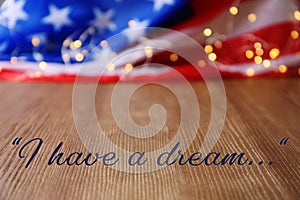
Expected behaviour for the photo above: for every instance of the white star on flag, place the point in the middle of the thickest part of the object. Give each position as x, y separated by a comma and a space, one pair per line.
58, 17
158, 4
103, 21
13, 12
136, 29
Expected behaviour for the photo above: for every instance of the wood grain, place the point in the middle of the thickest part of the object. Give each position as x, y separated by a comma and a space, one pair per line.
260, 113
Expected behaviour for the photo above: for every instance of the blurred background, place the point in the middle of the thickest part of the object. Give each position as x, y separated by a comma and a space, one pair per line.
49, 40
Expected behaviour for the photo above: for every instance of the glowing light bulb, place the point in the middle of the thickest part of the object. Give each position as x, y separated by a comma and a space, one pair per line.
104, 43
257, 45
258, 60
218, 44
212, 56
250, 72
128, 67
208, 48
252, 17
274, 53
43, 65
249, 54
295, 34
282, 68
233, 10
266, 63
207, 32
111, 67
13, 60
148, 51
297, 15
173, 57
35, 41
79, 57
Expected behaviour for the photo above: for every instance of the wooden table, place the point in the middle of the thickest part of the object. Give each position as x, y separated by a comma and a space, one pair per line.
260, 113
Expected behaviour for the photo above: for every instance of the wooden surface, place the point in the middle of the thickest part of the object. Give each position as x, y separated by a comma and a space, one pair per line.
259, 114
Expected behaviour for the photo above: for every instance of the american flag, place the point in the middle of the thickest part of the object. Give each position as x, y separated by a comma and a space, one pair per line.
50, 39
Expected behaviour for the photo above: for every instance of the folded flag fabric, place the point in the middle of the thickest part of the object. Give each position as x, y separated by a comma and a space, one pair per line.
50, 39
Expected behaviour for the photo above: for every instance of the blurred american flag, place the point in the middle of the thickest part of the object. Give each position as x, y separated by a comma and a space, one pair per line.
244, 38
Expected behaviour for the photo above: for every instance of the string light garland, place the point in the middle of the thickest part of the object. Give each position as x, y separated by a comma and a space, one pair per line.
259, 53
